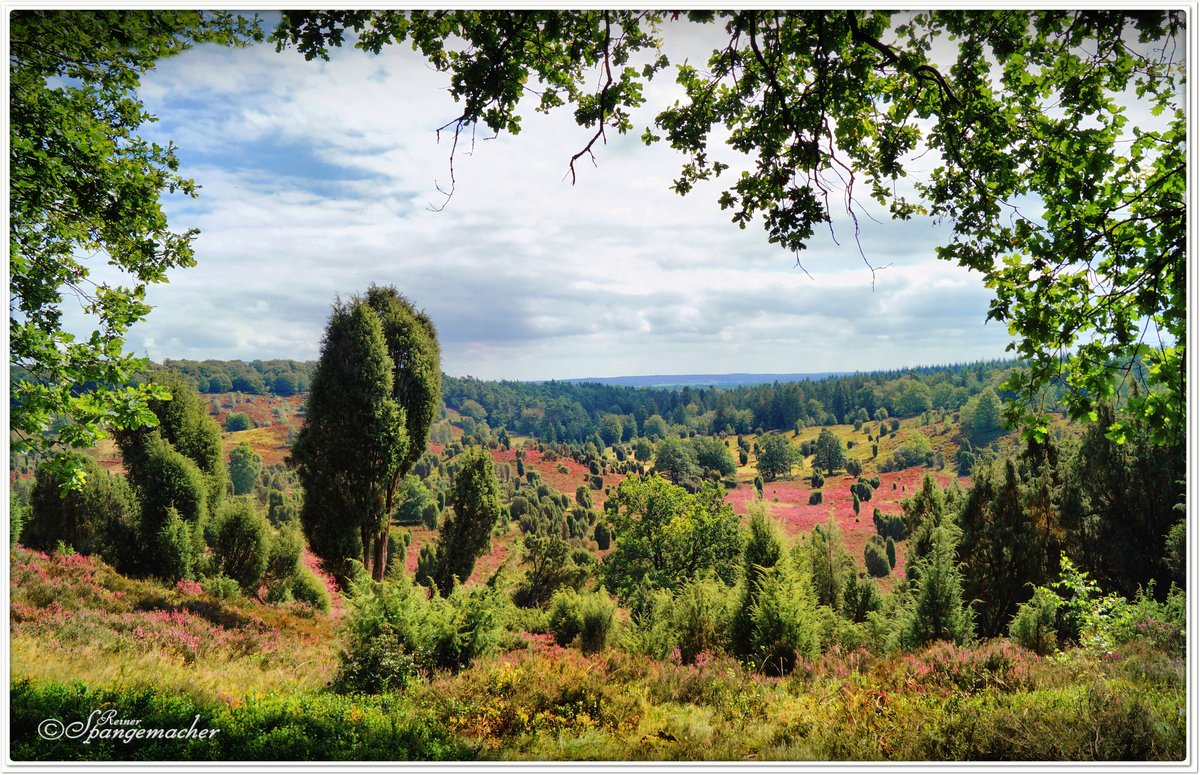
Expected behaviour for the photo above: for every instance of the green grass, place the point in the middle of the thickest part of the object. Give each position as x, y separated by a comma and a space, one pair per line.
85, 638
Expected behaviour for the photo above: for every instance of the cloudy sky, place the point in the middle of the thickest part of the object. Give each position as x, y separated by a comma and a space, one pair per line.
321, 178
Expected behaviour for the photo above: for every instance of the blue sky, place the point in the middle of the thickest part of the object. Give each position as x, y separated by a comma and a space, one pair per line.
318, 179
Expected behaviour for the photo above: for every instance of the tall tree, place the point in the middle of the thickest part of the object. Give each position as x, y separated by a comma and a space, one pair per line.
467, 532
675, 460
244, 467
352, 442
412, 345
1016, 106
84, 184
373, 398
1003, 551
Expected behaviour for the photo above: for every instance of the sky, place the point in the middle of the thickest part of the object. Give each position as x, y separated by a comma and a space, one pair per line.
320, 178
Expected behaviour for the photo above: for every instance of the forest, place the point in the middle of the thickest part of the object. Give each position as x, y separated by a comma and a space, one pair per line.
363, 558
728, 552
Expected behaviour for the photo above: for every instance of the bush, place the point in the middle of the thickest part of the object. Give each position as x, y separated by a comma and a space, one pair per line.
221, 587
99, 518
240, 545
815, 497
565, 620
1033, 626
175, 550
784, 622
603, 536
876, 559
395, 634
700, 618
238, 421
589, 617
309, 589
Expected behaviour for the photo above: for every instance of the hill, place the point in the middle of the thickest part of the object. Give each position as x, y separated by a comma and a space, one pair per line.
705, 380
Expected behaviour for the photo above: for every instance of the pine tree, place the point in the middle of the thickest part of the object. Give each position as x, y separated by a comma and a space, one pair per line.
373, 399
467, 531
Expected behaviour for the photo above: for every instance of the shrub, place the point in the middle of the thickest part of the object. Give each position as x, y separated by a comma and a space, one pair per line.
175, 549
395, 634
1033, 626
221, 587
309, 589
876, 559
890, 526
649, 633
598, 612
815, 497
589, 617
283, 554
891, 552
240, 545
785, 625
603, 536
99, 518
238, 421
700, 618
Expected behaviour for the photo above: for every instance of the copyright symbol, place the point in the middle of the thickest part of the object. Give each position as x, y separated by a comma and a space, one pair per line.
51, 729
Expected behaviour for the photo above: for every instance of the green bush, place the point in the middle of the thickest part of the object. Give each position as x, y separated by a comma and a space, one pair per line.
241, 544
566, 618
309, 589
275, 727
785, 625
1033, 626
875, 557
175, 550
395, 633
603, 536
650, 632
238, 421
815, 497
589, 617
221, 587
700, 616
597, 613
99, 518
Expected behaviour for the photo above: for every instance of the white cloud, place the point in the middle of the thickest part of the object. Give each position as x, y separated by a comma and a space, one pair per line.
318, 179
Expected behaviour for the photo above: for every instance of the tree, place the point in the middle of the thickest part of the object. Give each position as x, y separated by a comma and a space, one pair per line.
372, 401
713, 456
775, 457
981, 416
352, 441
1004, 551
675, 460
1017, 106
830, 454
467, 531
100, 517
665, 536
244, 467
83, 183
182, 421
764, 550
937, 611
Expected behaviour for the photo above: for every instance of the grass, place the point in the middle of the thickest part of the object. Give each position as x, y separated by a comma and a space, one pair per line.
86, 638
946, 703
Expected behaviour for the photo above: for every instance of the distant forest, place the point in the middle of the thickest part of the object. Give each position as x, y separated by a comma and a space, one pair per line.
573, 412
